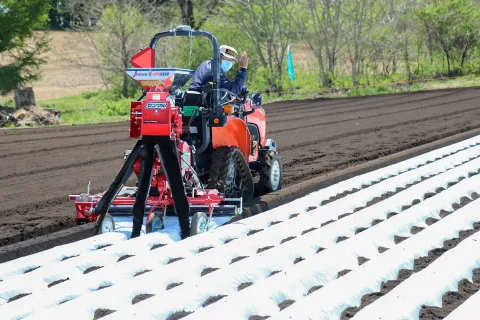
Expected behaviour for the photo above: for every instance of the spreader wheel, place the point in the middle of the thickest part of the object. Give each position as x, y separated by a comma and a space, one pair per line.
271, 174
230, 174
155, 224
108, 224
199, 223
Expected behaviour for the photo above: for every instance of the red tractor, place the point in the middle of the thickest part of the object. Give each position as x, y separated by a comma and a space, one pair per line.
196, 152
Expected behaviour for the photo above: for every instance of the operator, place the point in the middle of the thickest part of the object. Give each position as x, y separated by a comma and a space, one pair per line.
204, 75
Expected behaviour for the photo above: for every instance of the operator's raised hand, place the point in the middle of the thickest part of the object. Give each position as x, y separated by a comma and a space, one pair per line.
244, 60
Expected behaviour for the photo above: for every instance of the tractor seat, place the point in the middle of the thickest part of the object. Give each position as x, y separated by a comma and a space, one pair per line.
192, 98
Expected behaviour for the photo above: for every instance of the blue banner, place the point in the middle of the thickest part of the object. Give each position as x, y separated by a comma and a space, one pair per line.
290, 65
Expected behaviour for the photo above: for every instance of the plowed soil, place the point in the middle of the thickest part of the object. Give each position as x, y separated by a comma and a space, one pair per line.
41, 167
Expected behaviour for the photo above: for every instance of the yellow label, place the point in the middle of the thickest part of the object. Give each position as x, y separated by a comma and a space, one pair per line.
149, 83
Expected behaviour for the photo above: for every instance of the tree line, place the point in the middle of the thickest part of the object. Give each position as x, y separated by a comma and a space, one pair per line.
349, 42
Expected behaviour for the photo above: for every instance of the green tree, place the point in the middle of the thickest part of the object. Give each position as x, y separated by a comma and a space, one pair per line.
453, 25
122, 30
202, 50
20, 48
268, 25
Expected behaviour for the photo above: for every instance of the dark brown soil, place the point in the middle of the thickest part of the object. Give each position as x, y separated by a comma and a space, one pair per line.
339, 196
255, 317
415, 230
309, 230
125, 257
285, 304
141, 297
253, 232
207, 271
174, 259
178, 315
275, 272
264, 249
100, 313
275, 222
327, 222
287, 239
398, 239
156, 246
391, 214
343, 272
353, 131
91, 269
382, 249
32, 269
70, 257
214, 299
313, 289
238, 259
451, 300
103, 287
204, 249
360, 230
103, 246
430, 221
57, 282
173, 285
141, 272
297, 260
18, 296
362, 260
244, 285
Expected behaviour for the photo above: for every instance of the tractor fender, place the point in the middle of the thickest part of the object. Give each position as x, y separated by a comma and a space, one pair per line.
259, 119
234, 134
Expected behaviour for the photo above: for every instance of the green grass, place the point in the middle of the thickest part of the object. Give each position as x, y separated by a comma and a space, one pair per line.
101, 107
89, 108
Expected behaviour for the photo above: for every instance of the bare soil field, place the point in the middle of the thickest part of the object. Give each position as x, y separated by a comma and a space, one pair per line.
41, 167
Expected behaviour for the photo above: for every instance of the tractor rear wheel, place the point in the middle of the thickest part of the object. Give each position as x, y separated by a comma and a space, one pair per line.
271, 174
230, 174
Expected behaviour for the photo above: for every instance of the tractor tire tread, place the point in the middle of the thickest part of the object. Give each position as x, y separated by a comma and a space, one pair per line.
220, 165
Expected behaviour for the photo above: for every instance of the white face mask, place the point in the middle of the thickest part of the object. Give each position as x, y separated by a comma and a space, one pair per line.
226, 65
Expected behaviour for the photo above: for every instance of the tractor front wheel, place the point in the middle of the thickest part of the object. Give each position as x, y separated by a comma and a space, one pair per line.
271, 174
